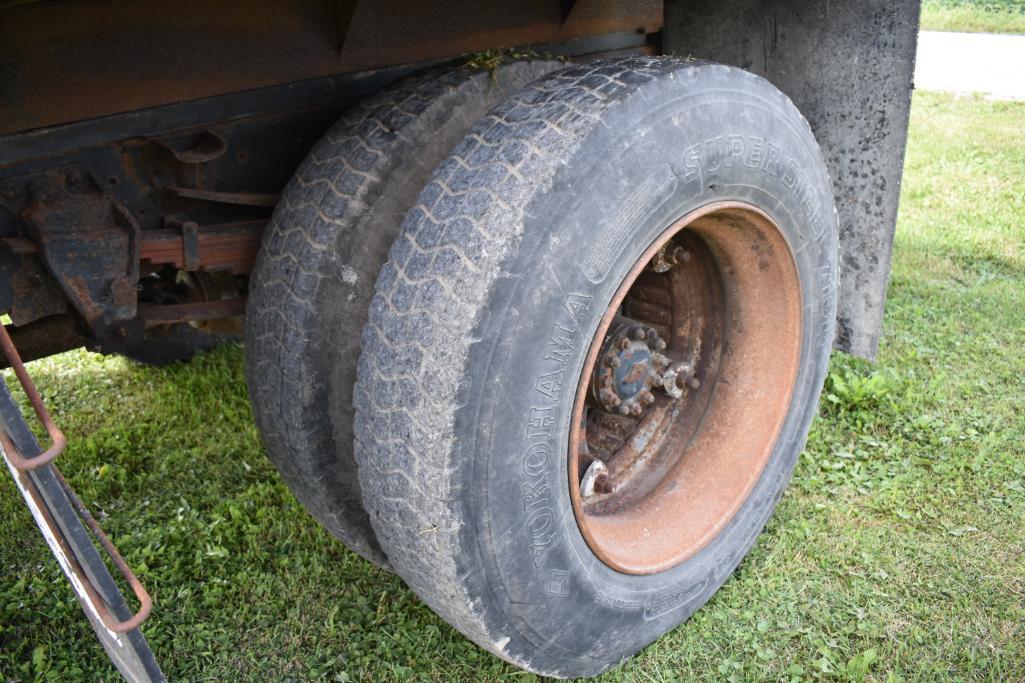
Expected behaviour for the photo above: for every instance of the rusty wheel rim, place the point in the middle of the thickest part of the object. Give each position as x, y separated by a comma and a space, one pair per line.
685, 388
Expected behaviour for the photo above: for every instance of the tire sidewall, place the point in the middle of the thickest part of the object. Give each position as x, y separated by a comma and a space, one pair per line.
649, 165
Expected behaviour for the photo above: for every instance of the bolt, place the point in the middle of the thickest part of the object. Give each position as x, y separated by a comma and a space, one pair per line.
660, 345
640, 334
624, 343
648, 397
615, 362
615, 401
681, 255
636, 409
624, 409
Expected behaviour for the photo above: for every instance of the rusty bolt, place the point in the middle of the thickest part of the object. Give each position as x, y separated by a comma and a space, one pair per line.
681, 380
681, 255
624, 343
624, 409
636, 410
648, 397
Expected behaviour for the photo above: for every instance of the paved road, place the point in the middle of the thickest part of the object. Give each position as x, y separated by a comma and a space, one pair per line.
971, 62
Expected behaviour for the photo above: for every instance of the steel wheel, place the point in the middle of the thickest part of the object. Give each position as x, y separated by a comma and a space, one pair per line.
680, 400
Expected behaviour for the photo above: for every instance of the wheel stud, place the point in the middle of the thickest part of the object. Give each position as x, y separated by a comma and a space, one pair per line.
681, 255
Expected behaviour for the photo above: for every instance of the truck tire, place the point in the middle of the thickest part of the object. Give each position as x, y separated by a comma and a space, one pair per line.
315, 274
594, 354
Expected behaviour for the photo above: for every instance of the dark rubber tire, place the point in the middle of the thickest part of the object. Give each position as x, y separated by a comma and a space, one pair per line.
315, 274
500, 275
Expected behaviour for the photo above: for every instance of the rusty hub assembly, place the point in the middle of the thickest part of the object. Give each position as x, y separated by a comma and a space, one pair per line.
685, 387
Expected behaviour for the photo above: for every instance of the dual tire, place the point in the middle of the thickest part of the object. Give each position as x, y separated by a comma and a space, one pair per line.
479, 422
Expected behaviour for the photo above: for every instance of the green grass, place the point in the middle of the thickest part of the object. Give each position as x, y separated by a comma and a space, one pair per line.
974, 16
898, 553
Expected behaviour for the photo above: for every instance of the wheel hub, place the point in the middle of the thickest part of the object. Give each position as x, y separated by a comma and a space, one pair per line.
630, 367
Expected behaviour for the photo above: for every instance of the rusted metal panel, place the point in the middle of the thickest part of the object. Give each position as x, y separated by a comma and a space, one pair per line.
89, 243
67, 61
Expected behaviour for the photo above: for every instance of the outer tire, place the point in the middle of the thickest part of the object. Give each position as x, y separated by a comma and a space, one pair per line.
314, 275
459, 443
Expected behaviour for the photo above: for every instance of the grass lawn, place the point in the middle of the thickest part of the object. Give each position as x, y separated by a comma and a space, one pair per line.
898, 553
974, 16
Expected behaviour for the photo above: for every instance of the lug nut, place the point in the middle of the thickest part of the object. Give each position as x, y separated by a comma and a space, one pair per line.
648, 397
624, 409
624, 343
681, 255
636, 410
640, 334
660, 345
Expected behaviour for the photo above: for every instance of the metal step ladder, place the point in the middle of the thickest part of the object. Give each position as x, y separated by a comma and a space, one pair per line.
69, 530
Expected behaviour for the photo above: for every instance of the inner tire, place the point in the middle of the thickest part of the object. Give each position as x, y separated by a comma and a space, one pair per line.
316, 268
525, 248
